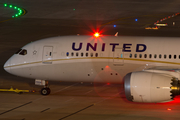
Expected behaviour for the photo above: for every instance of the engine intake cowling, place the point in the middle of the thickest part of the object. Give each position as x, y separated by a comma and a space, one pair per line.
150, 87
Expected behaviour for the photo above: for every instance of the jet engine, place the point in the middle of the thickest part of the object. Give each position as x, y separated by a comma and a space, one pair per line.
150, 87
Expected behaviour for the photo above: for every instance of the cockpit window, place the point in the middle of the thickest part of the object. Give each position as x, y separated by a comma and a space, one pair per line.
23, 52
18, 51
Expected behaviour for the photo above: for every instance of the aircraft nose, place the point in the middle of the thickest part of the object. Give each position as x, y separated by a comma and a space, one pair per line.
7, 66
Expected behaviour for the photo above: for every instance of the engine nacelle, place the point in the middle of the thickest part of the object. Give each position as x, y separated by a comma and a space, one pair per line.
150, 87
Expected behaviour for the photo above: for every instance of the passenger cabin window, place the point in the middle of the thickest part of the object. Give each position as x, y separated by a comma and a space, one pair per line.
130, 55
150, 56
23, 52
164, 56
145, 55
169, 56
91, 54
76, 54
86, 54
140, 55
160, 56
135, 55
67, 54
82, 54
155, 56
96, 54
174, 56
72, 54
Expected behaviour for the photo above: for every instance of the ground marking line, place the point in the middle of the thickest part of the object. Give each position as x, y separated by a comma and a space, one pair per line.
76, 112
15, 108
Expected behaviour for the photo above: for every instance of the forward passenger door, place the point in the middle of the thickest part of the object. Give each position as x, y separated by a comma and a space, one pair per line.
47, 54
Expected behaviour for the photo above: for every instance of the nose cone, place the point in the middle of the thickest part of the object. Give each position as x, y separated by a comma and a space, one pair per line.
7, 66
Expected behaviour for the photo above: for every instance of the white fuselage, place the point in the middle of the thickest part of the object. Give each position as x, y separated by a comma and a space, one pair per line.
89, 59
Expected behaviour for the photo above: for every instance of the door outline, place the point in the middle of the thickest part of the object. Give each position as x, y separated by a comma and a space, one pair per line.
118, 57
47, 55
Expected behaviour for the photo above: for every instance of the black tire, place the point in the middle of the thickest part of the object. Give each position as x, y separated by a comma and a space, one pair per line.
45, 91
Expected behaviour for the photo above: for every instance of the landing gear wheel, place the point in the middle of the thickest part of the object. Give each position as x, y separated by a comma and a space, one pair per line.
45, 91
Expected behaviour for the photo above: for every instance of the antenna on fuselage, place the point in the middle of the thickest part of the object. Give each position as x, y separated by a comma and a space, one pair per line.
116, 34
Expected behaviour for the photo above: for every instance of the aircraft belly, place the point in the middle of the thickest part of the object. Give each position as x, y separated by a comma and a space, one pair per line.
89, 71
83, 72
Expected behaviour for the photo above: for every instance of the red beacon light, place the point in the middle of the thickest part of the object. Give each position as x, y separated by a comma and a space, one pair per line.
169, 109
96, 35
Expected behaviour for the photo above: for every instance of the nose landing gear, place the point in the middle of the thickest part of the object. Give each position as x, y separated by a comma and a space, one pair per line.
46, 90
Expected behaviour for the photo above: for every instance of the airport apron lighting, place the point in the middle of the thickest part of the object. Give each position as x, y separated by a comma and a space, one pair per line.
20, 10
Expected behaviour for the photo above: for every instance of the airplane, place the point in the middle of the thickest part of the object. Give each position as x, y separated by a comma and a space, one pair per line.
149, 67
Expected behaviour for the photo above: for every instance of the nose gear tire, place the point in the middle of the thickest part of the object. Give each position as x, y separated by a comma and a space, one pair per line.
45, 91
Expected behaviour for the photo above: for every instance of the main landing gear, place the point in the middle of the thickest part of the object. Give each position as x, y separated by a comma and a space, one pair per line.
46, 90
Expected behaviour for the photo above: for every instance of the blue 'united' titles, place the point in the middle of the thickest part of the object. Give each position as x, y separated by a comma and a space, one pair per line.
126, 47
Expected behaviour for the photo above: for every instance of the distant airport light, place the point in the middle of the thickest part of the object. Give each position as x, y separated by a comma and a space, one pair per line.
108, 83
136, 19
173, 23
74, 9
153, 28
96, 35
114, 25
161, 24
20, 11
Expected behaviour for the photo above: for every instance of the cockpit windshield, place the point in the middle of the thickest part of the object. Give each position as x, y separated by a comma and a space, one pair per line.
18, 51
21, 52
